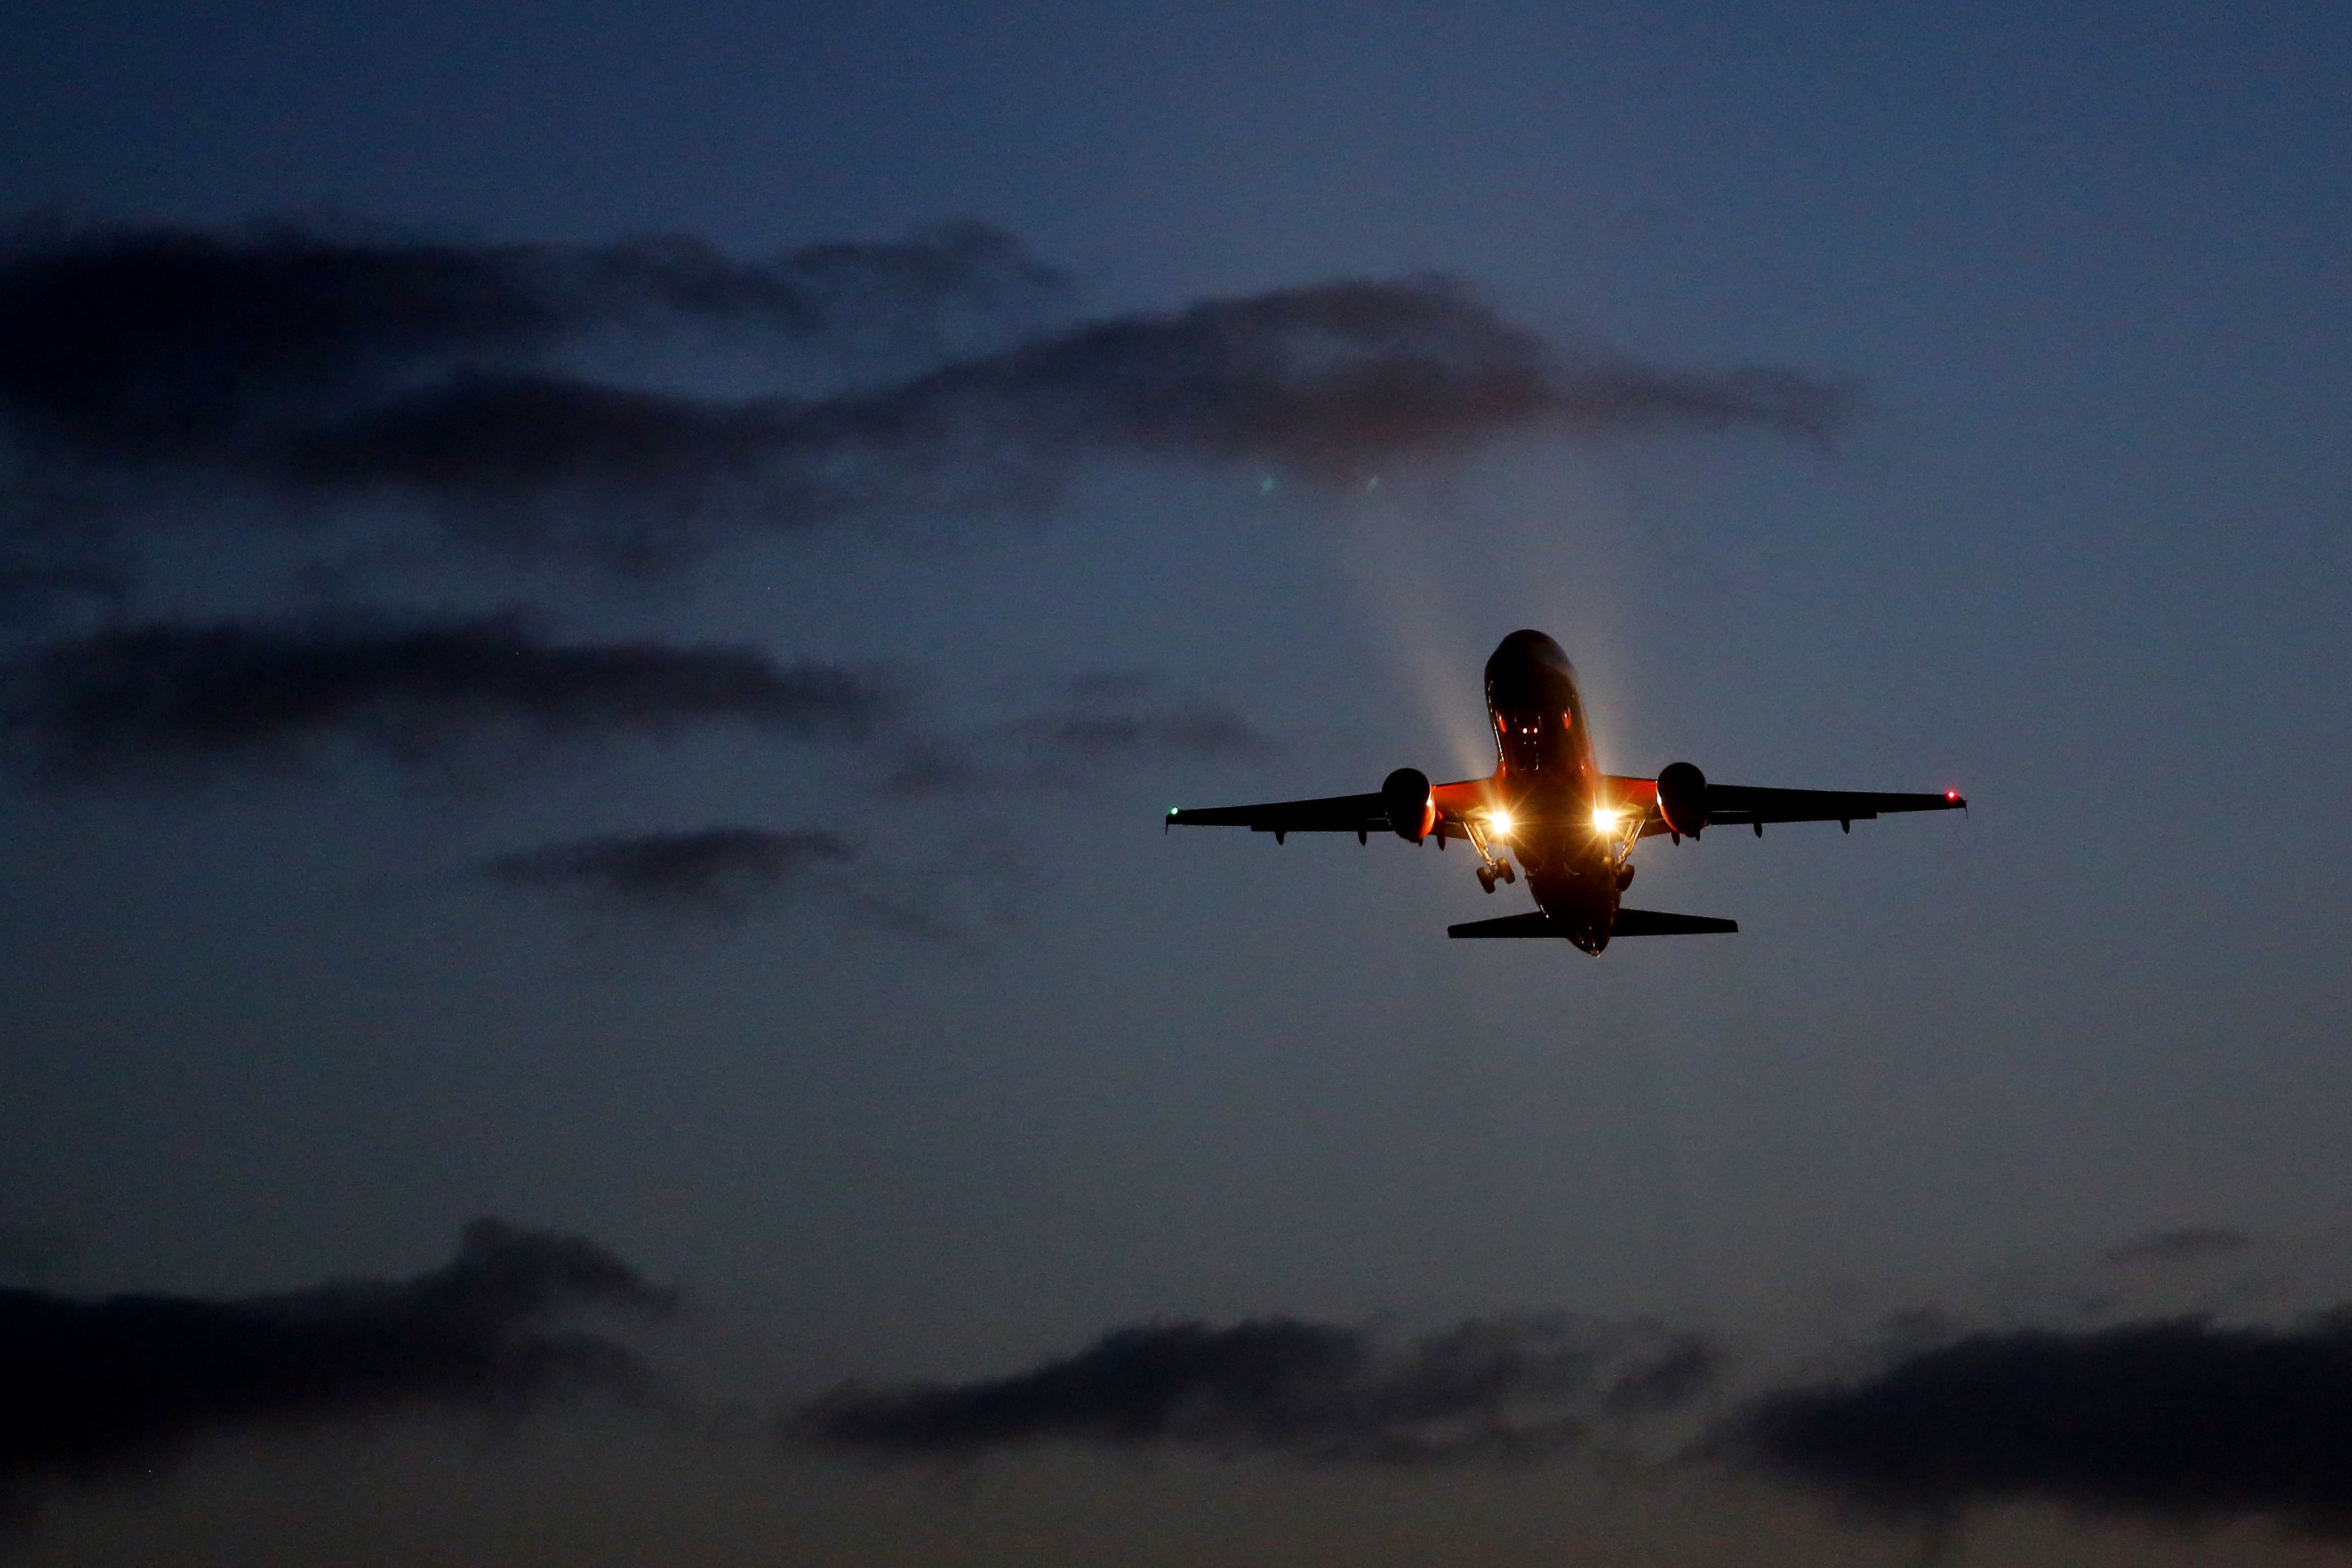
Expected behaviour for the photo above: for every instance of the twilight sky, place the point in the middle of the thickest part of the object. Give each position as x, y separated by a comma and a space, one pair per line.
599, 605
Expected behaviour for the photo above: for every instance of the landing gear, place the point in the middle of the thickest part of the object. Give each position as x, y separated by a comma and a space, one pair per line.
1625, 876
1492, 867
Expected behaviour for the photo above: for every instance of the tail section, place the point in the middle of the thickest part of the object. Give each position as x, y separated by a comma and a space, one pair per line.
1534, 923
1630, 923
1651, 923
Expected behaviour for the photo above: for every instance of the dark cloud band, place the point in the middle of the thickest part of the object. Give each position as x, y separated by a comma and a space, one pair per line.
1327, 382
323, 373
96, 1387
1492, 1389
714, 873
138, 343
168, 696
2172, 1421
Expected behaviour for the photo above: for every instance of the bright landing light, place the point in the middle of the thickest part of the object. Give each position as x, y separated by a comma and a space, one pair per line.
1604, 820
1499, 824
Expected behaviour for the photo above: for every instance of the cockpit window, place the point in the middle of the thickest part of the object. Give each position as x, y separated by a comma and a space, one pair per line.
1527, 739
1522, 737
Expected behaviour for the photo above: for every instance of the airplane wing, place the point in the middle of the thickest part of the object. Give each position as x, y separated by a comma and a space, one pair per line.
1332, 814
1749, 805
1361, 814
1734, 803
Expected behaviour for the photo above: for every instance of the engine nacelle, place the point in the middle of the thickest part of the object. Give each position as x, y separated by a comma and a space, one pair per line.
1412, 812
1681, 798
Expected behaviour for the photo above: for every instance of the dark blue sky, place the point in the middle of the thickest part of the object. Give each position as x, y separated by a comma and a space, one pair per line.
2082, 555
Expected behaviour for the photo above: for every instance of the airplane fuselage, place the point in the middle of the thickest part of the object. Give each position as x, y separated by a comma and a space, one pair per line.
1547, 780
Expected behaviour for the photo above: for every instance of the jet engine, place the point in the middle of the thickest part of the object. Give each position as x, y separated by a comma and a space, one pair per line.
1412, 812
1681, 798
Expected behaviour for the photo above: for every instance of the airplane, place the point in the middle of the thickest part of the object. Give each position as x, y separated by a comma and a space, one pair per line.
1571, 826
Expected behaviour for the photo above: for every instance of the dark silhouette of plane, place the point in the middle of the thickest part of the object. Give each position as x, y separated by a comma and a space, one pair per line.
1571, 826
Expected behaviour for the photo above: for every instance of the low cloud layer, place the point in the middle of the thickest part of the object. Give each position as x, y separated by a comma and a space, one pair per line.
2178, 1421
719, 875
2189, 1244
1504, 1389
98, 1387
166, 698
299, 372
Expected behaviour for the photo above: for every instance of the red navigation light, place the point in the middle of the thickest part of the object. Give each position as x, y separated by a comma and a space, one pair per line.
1951, 794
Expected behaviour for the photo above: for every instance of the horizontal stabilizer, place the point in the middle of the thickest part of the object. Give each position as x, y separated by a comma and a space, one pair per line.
1534, 923
1651, 923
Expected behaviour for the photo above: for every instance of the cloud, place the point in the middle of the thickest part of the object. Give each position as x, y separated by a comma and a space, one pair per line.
714, 873
27, 1252
171, 696
1099, 729
98, 1387
122, 343
1504, 1388
317, 372
2189, 1244
1324, 382
31, 589
1106, 718
2173, 1421
1328, 377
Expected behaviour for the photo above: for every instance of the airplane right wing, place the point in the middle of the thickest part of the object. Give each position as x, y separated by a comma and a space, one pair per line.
1331, 815
1360, 814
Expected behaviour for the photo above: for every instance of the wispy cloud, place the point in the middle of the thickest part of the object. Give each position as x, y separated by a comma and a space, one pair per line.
1324, 382
2188, 1244
303, 371
1503, 1388
170, 697
1100, 720
719, 875
96, 1387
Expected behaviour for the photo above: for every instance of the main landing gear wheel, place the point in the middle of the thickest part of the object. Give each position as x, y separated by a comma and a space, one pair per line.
1503, 869
1486, 879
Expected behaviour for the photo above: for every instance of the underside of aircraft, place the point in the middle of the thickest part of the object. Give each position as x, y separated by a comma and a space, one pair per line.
1570, 826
